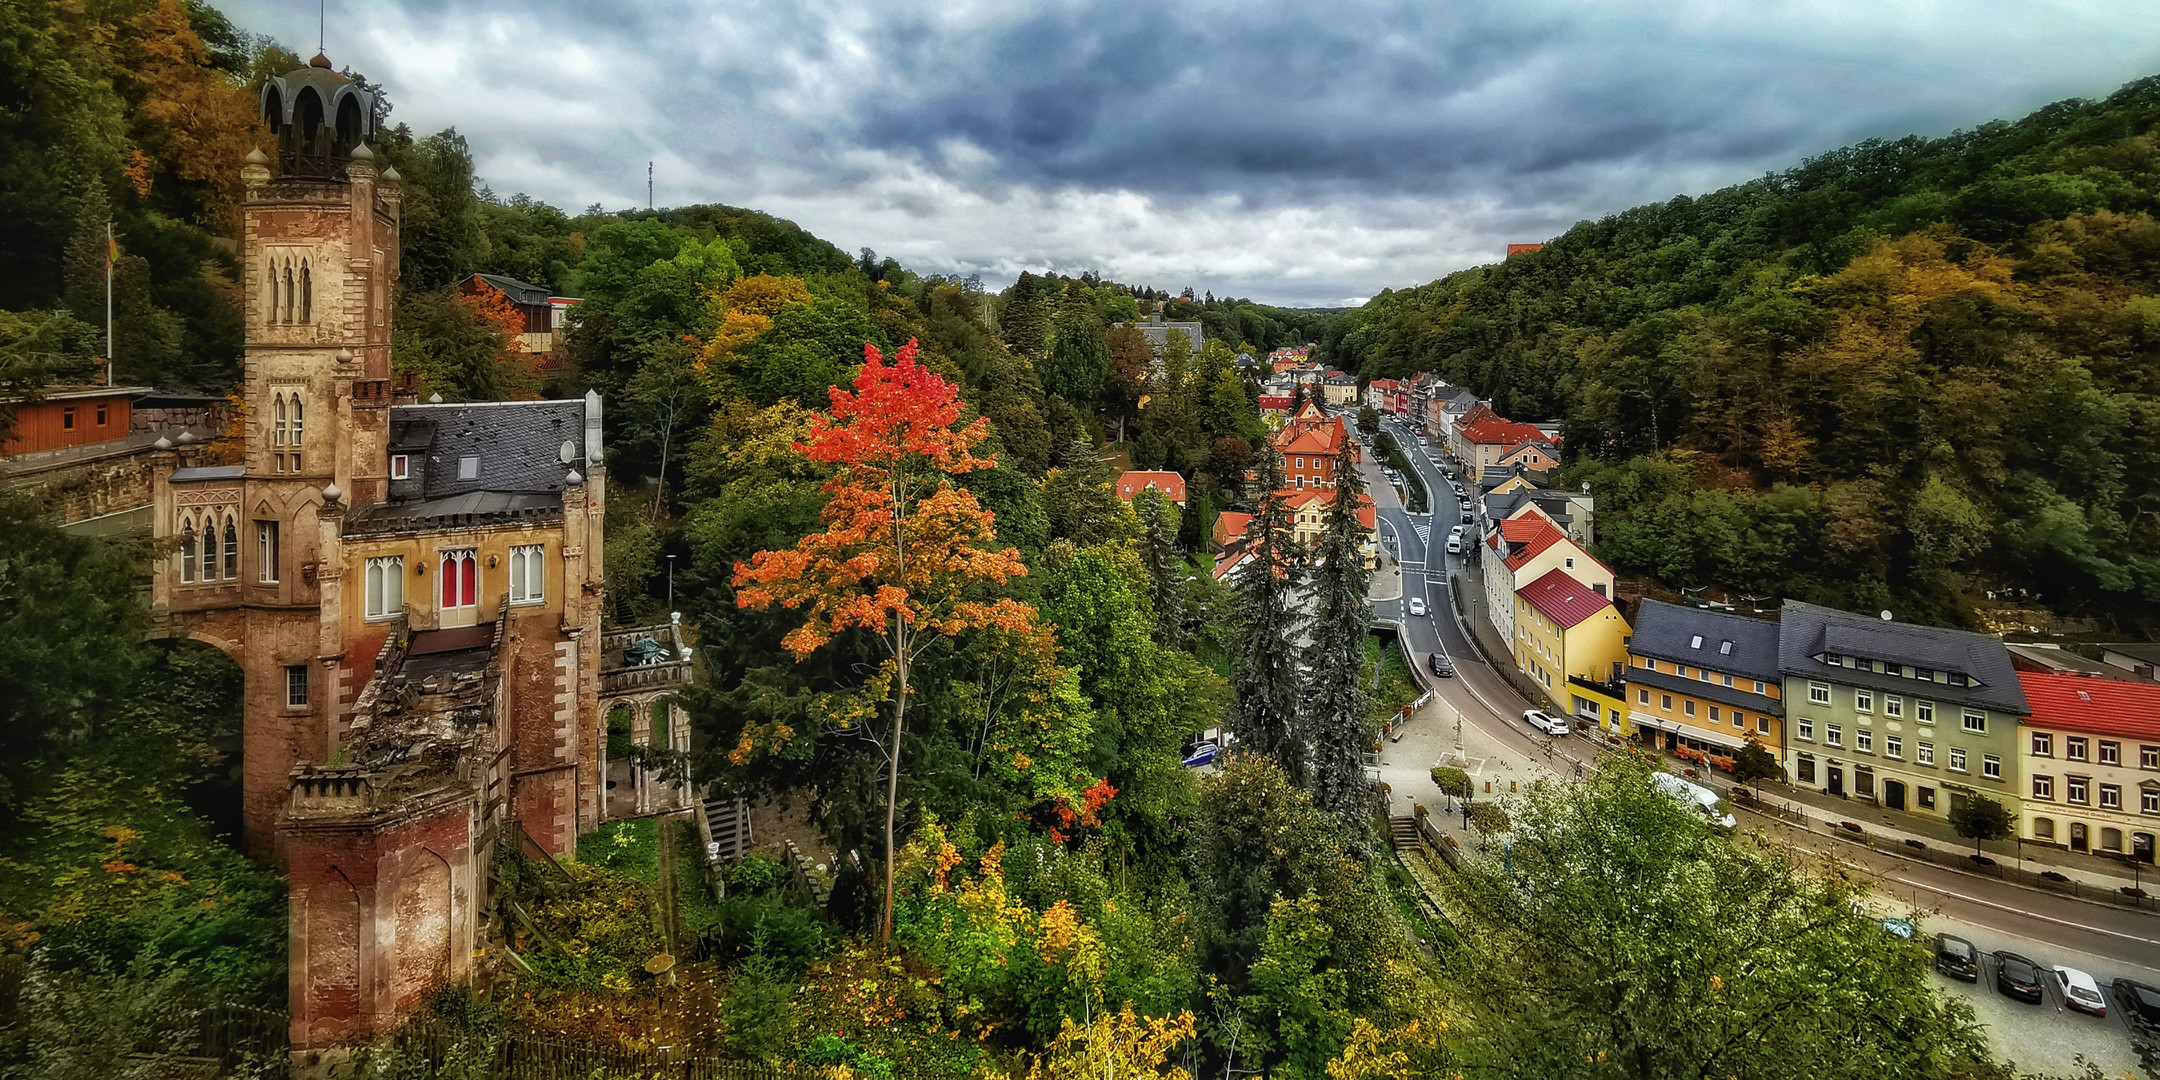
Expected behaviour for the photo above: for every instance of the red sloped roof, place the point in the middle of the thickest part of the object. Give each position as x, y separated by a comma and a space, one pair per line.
1481, 414
1519, 529
1563, 599
1230, 523
1505, 433
1383, 384
1545, 537
2092, 704
1139, 480
1299, 500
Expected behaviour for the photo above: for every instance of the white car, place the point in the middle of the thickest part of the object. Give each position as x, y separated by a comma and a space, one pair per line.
1693, 796
1454, 545
1417, 605
2080, 991
1549, 724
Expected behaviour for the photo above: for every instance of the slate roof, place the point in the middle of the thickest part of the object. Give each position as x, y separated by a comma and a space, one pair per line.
2091, 704
1563, 599
1809, 631
2142, 651
209, 472
522, 293
1672, 631
1717, 691
517, 444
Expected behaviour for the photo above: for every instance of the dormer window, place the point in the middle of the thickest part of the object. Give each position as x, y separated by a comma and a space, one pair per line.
400, 467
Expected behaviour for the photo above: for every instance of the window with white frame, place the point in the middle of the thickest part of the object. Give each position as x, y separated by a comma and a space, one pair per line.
266, 552
2077, 789
2149, 800
1924, 752
2149, 757
187, 550
1833, 735
1991, 766
1806, 729
385, 586
1665, 702
1863, 700
2043, 787
1728, 681
2043, 744
296, 686
1864, 741
1924, 711
1688, 706
2110, 752
1642, 697
2074, 748
1957, 758
1893, 706
2110, 796
527, 580
1713, 714
400, 467
1760, 688
1893, 746
1762, 723
1976, 723
1818, 693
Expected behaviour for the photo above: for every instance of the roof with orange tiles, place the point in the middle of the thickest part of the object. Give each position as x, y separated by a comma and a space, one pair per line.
1139, 480
2092, 704
1299, 500
1382, 384
1563, 599
1505, 433
1518, 530
1482, 413
1544, 539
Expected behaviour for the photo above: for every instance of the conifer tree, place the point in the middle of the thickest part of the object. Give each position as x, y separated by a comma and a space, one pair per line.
1334, 720
1263, 711
1165, 565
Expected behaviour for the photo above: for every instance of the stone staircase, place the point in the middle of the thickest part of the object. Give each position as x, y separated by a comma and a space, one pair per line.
1404, 831
728, 821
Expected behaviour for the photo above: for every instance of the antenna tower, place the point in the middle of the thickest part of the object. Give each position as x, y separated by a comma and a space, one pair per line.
648, 184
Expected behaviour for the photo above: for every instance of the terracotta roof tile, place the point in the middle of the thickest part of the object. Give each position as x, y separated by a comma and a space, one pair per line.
2092, 704
1563, 599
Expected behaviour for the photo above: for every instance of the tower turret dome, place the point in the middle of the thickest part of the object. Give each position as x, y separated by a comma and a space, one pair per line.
318, 116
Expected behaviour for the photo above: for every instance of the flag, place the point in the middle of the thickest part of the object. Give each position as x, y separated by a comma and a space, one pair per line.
112, 248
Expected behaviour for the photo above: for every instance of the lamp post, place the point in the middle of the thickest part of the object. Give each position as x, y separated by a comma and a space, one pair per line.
671, 582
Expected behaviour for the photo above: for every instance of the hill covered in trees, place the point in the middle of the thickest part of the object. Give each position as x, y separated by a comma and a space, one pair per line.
1902, 374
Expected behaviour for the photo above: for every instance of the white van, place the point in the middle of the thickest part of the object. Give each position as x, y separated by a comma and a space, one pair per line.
1454, 545
1694, 796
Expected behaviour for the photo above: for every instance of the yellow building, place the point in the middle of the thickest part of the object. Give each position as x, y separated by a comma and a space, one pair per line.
1563, 629
1706, 680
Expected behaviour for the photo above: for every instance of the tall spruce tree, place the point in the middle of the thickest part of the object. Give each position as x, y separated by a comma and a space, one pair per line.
1334, 722
1263, 713
1165, 565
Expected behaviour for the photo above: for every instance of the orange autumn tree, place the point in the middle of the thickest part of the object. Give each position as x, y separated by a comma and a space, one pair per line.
905, 553
518, 375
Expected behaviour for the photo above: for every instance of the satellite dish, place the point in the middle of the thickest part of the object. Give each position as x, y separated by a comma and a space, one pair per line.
1886, 616
569, 451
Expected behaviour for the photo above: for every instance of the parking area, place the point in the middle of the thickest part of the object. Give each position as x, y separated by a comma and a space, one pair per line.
2049, 1036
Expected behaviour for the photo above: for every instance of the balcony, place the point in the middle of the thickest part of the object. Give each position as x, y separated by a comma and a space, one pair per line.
643, 658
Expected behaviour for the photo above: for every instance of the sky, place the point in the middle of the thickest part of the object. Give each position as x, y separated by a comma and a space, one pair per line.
1305, 153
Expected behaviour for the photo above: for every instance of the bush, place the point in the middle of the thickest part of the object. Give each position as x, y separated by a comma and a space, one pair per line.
756, 872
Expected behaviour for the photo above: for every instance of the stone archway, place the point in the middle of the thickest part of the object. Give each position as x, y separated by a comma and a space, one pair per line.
421, 953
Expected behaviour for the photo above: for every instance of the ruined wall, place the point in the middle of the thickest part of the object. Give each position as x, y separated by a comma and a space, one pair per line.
93, 481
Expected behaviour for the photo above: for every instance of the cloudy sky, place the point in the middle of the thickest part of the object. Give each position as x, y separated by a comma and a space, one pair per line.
1300, 152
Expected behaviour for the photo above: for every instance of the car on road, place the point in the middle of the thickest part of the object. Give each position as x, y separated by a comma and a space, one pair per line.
1440, 666
1199, 754
2140, 1005
1417, 605
1466, 517
1454, 545
2080, 991
1545, 722
1956, 957
1693, 796
2017, 977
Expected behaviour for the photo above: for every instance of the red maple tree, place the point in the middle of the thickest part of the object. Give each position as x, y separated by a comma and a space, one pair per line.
905, 552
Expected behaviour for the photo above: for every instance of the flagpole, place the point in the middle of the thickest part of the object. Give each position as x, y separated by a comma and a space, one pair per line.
108, 304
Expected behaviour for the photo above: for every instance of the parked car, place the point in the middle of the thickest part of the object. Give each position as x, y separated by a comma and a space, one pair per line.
1440, 666
2017, 976
1466, 517
1901, 929
1956, 957
1549, 724
1454, 545
1417, 605
1456, 531
1693, 796
2080, 991
1199, 754
2140, 1005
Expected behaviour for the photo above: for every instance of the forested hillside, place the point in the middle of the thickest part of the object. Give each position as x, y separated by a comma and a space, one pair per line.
1902, 374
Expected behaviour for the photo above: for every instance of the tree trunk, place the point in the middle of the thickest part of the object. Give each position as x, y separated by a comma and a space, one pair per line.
892, 788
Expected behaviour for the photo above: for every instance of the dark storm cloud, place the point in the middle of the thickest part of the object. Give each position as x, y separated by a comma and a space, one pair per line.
1295, 151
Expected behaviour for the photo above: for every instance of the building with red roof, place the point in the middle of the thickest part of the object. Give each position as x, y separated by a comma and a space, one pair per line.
1379, 393
2089, 756
1139, 480
1565, 628
1308, 445
1522, 549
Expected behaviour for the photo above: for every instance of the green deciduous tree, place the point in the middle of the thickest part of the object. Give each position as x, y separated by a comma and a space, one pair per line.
1655, 946
1979, 818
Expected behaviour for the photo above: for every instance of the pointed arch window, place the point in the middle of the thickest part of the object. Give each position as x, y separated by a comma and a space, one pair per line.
277, 420
292, 436
271, 297
209, 562
232, 548
307, 293
288, 312
187, 551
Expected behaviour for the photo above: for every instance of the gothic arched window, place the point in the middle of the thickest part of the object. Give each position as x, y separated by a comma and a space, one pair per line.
307, 293
271, 297
209, 562
187, 550
288, 315
277, 420
232, 548
292, 436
